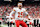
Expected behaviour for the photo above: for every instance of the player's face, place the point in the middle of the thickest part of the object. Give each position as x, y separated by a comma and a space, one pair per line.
20, 6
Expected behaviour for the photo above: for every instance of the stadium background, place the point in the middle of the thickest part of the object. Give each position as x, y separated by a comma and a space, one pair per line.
32, 6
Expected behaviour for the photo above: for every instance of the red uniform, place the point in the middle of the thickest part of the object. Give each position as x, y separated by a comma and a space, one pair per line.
18, 22
19, 16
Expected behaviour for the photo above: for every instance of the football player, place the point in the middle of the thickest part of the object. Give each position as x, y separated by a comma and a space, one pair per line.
19, 15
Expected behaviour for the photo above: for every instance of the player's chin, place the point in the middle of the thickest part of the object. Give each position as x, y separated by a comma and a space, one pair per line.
20, 7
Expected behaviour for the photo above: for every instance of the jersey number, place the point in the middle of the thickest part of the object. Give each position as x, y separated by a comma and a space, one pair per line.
20, 14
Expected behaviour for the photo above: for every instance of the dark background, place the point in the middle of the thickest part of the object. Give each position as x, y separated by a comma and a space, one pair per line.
14, 2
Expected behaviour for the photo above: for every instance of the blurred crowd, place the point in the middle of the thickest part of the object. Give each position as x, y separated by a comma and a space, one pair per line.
5, 10
34, 11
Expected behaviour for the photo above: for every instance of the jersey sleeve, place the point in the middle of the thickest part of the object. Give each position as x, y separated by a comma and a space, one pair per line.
25, 11
13, 11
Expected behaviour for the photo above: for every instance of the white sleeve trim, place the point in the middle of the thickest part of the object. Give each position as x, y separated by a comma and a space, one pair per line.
11, 13
26, 12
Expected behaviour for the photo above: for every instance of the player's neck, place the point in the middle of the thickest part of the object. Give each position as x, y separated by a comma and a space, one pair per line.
19, 8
